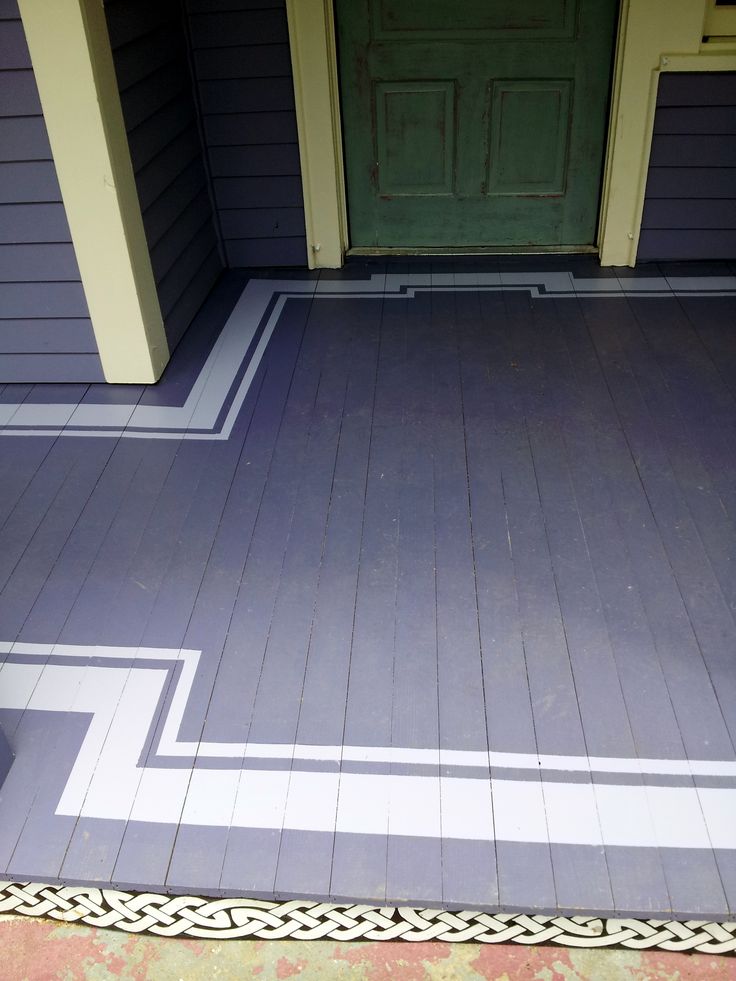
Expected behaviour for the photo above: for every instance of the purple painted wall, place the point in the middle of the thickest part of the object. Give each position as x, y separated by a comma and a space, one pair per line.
690, 204
151, 62
45, 330
242, 68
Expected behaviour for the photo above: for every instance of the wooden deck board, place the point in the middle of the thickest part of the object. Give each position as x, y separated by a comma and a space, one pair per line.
444, 519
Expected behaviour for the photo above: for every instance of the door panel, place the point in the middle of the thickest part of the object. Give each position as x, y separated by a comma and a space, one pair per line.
529, 140
479, 122
393, 19
408, 115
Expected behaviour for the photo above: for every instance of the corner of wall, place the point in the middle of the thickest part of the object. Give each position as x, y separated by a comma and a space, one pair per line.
71, 56
649, 33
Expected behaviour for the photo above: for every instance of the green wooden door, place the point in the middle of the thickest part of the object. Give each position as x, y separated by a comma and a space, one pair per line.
474, 122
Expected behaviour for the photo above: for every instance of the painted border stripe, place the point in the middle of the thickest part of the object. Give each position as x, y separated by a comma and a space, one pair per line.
108, 782
15, 678
197, 418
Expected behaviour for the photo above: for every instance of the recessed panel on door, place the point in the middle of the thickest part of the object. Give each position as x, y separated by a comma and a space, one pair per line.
529, 136
410, 115
472, 18
474, 122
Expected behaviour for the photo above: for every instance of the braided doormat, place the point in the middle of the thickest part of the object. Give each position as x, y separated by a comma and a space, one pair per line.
190, 916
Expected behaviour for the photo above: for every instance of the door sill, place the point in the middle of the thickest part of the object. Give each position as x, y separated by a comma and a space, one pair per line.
475, 250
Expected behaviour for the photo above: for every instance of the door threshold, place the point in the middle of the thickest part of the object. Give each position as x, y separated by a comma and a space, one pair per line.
475, 250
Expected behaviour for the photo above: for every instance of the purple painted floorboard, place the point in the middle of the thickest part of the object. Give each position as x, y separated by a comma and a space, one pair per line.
409, 583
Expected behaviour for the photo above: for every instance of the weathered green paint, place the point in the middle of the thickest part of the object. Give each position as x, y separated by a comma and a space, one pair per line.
474, 123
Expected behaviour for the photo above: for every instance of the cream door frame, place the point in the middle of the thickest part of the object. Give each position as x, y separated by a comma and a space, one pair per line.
314, 65
653, 35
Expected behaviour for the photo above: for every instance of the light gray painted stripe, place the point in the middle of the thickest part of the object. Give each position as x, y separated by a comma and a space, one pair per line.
215, 380
171, 745
108, 782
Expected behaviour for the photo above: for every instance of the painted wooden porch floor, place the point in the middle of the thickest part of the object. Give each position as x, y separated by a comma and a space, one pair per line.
415, 583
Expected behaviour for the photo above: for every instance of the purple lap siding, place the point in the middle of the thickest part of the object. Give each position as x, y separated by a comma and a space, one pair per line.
690, 204
150, 55
45, 330
242, 67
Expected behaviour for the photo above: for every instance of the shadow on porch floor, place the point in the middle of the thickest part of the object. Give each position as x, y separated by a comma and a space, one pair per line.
414, 583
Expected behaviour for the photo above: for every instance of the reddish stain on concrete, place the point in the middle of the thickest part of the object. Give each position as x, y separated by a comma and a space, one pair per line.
287, 969
660, 964
38, 950
523, 963
140, 957
563, 964
48, 958
384, 961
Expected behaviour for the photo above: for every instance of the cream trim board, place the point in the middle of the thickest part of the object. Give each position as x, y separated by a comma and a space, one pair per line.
72, 61
613, 116
314, 66
654, 36
719, 21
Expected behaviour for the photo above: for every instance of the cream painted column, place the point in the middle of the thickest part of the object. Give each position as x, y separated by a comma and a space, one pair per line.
650, 32
314, 65
72, 61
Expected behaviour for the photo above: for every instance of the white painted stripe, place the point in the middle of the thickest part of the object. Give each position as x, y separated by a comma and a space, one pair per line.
37, 650
518, 810
261, 799
17, 685
160, 796
217, 375
211, 797
42, 413
115, 781
467, 808
172, 745
93, 414
620, 825
606, 284
375, 284
413, 801
7, 411
572, 814
679, 817
638, 284
719, 816
230, 351
106, 782
553, 282
255, 362
700, 284
308, 802
99, 698
363, 813
311, 802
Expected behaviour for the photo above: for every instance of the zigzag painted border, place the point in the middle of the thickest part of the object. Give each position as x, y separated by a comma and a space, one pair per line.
222, 919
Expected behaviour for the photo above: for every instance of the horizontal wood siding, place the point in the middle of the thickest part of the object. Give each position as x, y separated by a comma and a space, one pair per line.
240, 53
159, 108
690, 204
45, 330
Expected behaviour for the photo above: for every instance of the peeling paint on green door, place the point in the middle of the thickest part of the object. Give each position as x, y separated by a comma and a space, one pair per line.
474, 122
